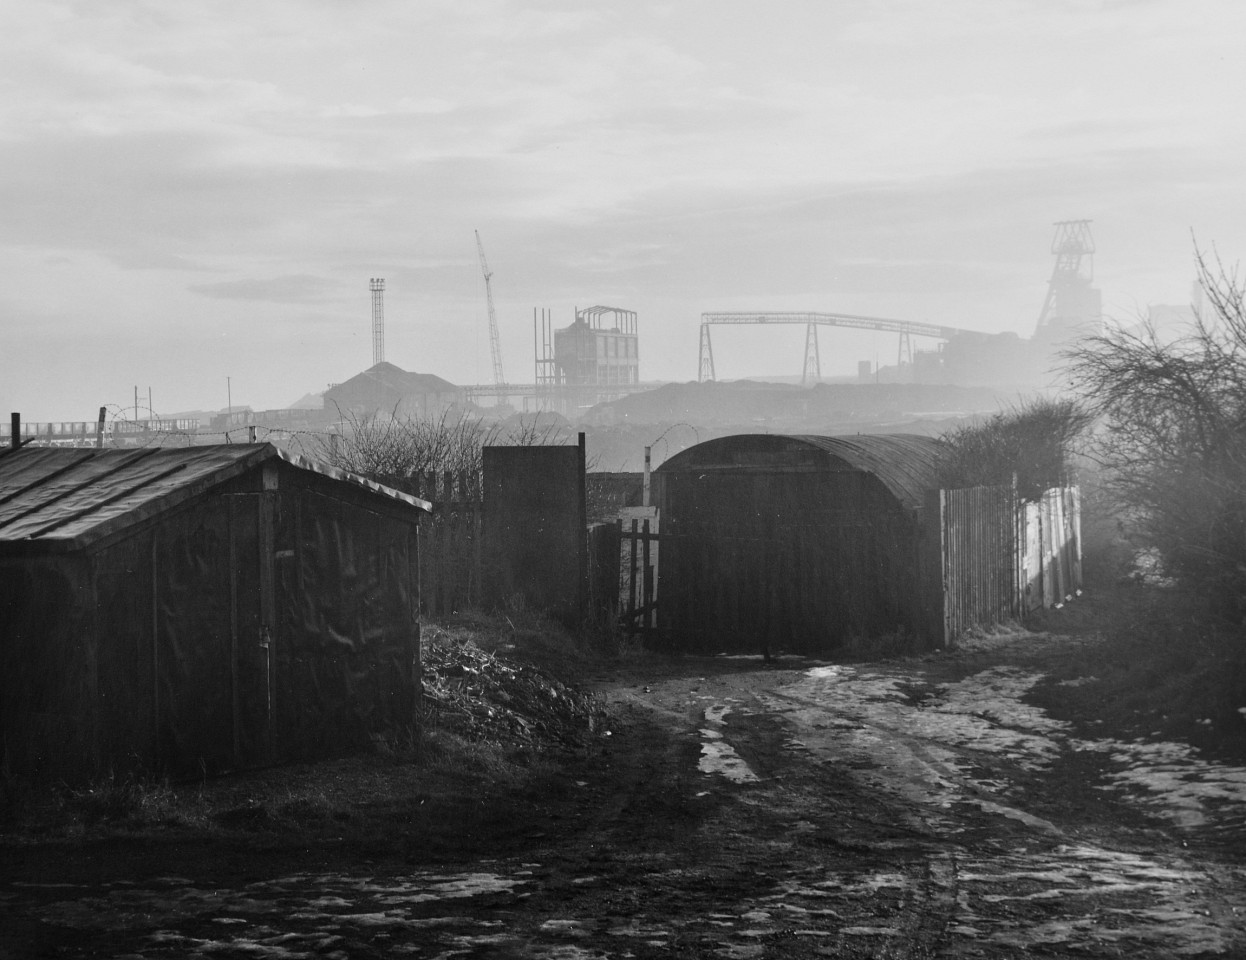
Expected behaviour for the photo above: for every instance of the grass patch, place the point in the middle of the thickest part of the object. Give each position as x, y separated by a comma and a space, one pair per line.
1159, 668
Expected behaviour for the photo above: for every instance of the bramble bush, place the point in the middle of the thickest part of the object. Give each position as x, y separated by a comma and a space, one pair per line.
1032, 441
1171, 439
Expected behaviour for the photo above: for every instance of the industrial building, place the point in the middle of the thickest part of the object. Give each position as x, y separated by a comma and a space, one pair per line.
600, 351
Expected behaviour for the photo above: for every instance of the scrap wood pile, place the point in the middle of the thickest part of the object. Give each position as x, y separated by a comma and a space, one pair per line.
482, 696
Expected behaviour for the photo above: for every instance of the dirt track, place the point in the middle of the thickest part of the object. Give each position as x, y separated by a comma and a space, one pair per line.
909, 809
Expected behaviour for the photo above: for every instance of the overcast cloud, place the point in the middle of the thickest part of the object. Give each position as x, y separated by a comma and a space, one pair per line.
201, 190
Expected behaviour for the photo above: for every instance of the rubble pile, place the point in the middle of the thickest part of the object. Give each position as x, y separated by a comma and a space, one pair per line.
485, 697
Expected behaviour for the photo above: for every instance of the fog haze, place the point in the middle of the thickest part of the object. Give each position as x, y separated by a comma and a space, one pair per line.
201, 191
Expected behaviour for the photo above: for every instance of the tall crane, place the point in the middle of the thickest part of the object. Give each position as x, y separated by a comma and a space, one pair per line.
495, 346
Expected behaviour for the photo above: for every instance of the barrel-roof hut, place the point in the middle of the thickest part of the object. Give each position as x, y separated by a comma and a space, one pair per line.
199, 609
804, 544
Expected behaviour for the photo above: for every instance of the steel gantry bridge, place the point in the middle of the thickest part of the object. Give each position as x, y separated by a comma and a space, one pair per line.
906, 329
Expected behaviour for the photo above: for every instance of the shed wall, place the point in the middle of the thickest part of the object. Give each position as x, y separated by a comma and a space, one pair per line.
260, 623
47, 667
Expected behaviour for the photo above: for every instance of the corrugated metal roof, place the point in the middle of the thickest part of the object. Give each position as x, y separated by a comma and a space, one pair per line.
72, 498
906, 464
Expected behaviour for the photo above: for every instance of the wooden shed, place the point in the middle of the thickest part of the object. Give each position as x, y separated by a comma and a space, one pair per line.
199, 609
805, 544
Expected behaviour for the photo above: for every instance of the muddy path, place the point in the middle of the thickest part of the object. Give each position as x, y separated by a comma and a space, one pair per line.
920, 808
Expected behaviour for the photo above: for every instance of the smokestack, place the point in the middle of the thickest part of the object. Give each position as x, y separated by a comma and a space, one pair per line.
377, 286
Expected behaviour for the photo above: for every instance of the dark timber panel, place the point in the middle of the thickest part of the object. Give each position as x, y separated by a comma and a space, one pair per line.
779, 543
536, 528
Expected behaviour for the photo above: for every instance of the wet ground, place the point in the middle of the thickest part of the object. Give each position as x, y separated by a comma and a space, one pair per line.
916, 808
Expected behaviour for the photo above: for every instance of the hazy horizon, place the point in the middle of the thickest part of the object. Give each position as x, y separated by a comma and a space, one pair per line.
196, 192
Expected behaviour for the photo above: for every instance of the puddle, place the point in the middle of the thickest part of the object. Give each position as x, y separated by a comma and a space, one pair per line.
1173, 782
717, 755
927, 752
325, 907
1078, 896
1073, 897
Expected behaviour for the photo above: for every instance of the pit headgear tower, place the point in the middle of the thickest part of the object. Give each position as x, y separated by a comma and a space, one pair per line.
1073, 305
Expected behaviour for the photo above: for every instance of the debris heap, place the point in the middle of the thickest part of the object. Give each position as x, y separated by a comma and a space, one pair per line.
485, 697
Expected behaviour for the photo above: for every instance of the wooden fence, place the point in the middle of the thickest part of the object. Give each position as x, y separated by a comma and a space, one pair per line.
638, 580
1050, 561
1000, 557
995, 557
451, 540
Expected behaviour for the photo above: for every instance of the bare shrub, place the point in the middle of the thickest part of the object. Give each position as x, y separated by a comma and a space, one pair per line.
1032, 441
393, 449
1173, 438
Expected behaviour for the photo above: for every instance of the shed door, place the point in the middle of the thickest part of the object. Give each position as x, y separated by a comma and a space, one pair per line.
252, 626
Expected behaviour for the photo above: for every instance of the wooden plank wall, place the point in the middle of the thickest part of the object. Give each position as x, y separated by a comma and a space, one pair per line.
1003, 558
803, 561
604, 573
979, 541
451, 565
1050, 555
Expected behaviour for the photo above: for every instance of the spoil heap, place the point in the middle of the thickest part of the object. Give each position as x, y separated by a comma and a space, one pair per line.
484, 697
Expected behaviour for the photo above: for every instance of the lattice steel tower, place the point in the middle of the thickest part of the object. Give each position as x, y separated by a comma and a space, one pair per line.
1072, 301
377, 286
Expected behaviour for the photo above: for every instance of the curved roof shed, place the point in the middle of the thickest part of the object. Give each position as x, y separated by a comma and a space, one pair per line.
808, 544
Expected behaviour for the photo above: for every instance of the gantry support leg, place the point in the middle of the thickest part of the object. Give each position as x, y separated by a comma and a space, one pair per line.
706, 366
813, 362
904, 355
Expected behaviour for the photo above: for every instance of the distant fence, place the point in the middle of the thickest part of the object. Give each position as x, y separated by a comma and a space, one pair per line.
994, 556
531, 541
1001, 557
451, 541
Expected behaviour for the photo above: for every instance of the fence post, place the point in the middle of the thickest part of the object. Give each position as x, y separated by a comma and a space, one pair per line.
582, 528
477, 534
645, 494
647, 582
631, 578
945, 575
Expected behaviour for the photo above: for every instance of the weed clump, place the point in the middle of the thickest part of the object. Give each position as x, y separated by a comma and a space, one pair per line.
1161, 666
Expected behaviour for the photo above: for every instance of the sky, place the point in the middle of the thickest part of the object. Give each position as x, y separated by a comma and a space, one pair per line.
195, 195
